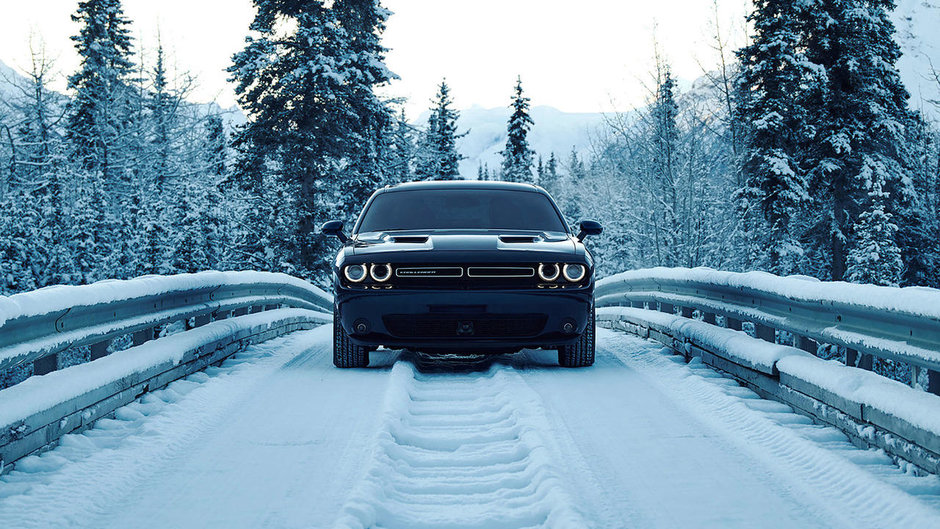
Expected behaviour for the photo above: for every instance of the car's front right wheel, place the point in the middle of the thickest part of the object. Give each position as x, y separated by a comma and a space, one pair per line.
580, 353
345, 353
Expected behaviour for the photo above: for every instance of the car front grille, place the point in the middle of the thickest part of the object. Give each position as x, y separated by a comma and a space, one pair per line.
465, 277
469, 326
500, 271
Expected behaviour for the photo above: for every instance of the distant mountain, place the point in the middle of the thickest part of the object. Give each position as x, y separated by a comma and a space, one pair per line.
554, 131
918, 32
9, 80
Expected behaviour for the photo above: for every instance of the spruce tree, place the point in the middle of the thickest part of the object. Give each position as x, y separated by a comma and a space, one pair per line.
771, 111
160, 104
875, 257
402, 153
315, 125
215, 147
663, 178
865, 132
369, 121
96, 120
549, 178
437, 156
574, 180
517, 156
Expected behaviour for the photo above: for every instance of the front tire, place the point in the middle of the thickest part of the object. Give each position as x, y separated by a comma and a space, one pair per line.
345, 353
580, 353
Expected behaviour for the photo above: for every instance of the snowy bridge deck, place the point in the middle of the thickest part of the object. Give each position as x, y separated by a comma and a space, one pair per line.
274, 436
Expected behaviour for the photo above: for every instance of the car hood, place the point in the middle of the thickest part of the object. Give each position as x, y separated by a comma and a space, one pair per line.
474, 246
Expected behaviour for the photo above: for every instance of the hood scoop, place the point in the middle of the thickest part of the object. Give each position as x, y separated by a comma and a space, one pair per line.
519, 239
409, 239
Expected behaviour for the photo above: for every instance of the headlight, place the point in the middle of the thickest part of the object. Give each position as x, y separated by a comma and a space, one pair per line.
574, 272
549, 272
355, 273
380, 272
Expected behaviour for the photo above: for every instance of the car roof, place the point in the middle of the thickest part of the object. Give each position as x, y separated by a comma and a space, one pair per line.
463, 184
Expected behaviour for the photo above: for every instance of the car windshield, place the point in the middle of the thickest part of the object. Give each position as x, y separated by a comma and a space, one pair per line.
445, 209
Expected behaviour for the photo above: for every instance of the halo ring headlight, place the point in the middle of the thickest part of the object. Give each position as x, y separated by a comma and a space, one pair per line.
355, 273
549, 271
574, 272
380, 272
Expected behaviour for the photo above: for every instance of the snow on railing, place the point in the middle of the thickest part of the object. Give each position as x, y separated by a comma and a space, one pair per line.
37, 326
248, 308
900, 324
701, 313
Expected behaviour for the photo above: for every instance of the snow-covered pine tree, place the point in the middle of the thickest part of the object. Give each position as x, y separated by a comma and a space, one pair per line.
570, 192
189, 241
306, 78
162, 106
402, 152
517, 155
771, 111
98, 109
437, 157
40, 174
18, 233
215, 147
864, 129
368, 121
549, 178
875, 257
663, 178
89, 233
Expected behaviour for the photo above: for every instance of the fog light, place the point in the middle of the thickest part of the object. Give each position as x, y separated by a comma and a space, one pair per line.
567, 327
361, 326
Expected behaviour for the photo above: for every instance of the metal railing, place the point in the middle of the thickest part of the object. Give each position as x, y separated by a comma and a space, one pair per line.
901, 324
38, 326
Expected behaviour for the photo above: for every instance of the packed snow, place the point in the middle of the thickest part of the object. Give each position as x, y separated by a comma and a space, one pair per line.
277, 437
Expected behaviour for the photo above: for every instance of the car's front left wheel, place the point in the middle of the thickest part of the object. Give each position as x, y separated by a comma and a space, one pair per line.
345, 353
580, 353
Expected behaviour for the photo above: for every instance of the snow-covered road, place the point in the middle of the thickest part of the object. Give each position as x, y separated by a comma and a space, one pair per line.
277, 437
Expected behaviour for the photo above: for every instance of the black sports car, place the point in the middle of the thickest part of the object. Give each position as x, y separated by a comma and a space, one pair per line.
463, 267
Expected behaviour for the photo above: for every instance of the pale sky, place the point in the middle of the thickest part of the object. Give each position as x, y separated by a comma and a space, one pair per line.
577, 56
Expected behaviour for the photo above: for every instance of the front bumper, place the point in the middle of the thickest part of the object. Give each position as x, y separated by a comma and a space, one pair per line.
462, 319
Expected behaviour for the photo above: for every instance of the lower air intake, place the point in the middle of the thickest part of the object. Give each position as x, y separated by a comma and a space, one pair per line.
476, 326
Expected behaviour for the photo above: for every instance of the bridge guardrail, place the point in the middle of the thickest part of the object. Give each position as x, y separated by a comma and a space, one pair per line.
249, 307
37, 326
901, 324
872, 410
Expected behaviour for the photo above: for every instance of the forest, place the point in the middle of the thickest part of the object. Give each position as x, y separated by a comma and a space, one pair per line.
798, 154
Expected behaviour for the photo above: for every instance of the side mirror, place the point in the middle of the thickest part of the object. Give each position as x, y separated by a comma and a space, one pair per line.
589, 227
334, 228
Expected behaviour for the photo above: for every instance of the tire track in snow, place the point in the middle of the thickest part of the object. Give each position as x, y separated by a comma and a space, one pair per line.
89, 472
803, 456
458, 450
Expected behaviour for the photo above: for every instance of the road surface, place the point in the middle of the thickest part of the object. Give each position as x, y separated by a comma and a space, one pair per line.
278, 438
